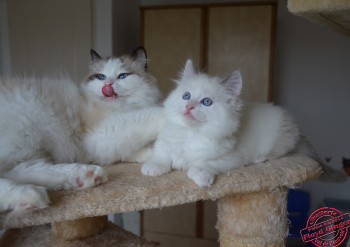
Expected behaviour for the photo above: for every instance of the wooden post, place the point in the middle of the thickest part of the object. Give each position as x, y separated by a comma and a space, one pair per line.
257, 219
82, 228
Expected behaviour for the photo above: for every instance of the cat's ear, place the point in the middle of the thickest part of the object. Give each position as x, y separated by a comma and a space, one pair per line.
94, 55
233, 83
140, 55
189, 69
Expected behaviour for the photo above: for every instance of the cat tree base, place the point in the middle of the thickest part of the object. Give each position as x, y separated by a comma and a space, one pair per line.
82, 228
251, 206
42, 236
257, 219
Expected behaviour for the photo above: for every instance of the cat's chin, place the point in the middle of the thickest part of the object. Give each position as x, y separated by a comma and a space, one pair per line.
111, 98
190, 119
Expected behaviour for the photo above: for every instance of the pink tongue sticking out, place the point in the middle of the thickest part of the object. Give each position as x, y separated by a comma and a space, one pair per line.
108, 91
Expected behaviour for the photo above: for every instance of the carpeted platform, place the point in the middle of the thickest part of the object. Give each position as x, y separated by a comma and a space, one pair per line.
241, 221
128, 190
331, 13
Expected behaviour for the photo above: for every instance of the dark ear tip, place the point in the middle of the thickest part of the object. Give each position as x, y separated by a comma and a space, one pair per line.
137, 51
94, 55
140, 54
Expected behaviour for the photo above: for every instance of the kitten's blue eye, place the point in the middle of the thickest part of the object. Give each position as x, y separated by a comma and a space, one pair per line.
123, 75
186, 96
100, 77
207, 101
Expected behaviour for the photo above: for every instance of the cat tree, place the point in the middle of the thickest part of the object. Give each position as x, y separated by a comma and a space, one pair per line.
334, 14
251, 206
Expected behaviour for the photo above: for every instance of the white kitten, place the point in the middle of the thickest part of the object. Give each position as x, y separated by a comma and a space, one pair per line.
127, 131
205, 134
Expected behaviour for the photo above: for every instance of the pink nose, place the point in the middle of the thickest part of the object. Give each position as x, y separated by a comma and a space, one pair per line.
189, 107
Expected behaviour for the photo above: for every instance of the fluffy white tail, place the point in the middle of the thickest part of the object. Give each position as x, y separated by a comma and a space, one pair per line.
329, 174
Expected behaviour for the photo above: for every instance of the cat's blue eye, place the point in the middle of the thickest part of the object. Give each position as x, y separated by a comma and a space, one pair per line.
123, 75
207, 101
186, 96
100, 77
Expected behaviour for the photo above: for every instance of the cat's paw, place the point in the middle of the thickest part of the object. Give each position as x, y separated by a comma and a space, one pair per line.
201, 177
28, 197
86, 176
153, 169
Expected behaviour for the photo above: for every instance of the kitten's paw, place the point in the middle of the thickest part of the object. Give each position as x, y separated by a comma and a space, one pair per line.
142, 155
86, 176
153, 169
201, 177
28, 197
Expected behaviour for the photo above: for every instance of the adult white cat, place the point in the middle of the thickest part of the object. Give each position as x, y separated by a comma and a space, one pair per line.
207, 131
127, 131
43, 123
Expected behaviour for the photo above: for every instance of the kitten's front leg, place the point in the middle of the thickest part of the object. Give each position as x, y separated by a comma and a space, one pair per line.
201, 176
203, 172
159, 163
155, 168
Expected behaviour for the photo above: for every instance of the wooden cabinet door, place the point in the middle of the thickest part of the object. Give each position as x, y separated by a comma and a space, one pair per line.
171, 36
242, 37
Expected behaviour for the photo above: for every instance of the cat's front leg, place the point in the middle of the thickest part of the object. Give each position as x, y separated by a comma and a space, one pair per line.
160, 161
158, 164
155, 168
21, 197
85, 176
201, 176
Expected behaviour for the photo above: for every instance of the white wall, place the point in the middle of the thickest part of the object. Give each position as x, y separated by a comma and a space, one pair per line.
313, 83
126, 26
102, 27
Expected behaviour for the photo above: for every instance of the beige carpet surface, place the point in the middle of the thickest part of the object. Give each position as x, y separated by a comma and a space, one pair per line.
129, 190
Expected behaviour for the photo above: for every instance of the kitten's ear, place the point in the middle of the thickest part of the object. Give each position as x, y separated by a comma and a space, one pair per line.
94, 55
233, 83
140, 55
189, 69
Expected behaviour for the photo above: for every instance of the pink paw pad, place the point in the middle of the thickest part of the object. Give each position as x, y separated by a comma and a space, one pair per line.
89, 174
98, 179
79, 182
27, 206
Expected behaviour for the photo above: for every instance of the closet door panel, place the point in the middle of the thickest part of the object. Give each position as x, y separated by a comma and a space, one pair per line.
240, 37
171, 36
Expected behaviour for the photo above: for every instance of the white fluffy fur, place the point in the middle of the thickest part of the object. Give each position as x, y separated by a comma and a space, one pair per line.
220, 137
46, 124
40, 126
